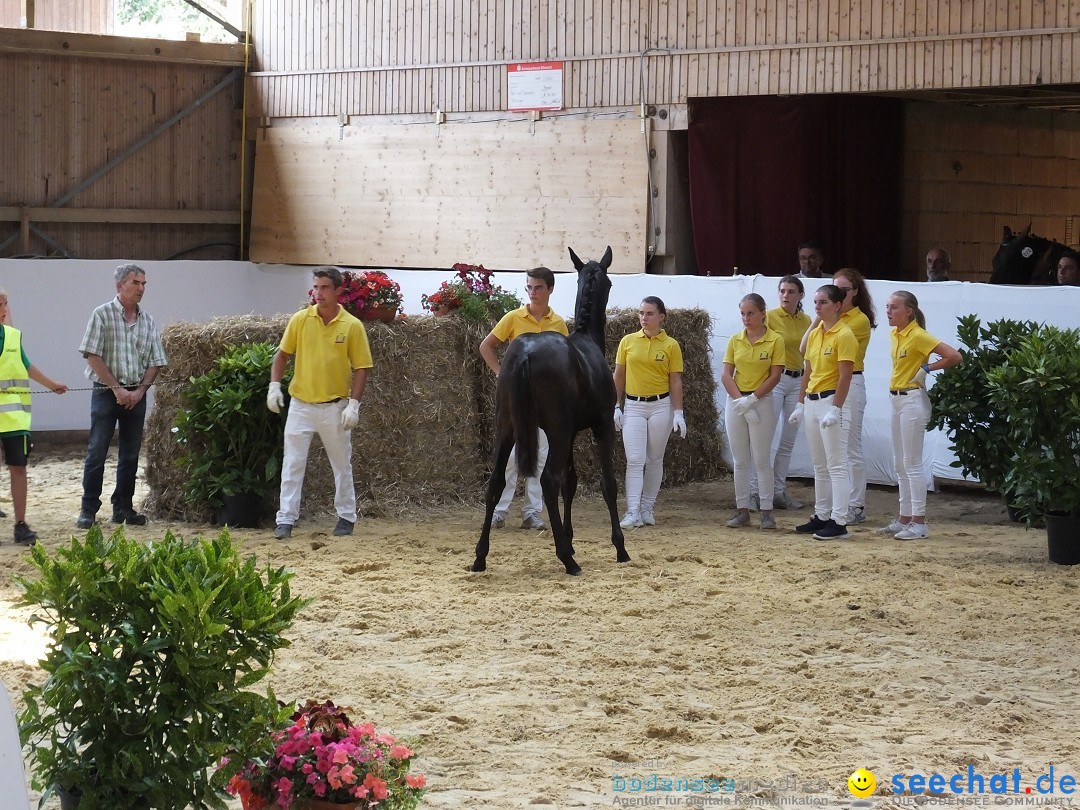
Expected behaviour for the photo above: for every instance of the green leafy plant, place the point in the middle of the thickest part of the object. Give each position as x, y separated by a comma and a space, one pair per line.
1037, 391
232, 443
471, 295
152, 650
962, 406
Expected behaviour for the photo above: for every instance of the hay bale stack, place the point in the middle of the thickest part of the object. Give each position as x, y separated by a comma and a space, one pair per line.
417, 440
427, 419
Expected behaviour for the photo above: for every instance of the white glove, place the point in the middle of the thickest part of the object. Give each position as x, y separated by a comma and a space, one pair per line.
351, 415
743, 403
274, 398
796, 415
618, 418
751, 416
831, 417
678, 424
920, 376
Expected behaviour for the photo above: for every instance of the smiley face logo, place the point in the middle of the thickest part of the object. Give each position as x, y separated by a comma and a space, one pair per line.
861, 783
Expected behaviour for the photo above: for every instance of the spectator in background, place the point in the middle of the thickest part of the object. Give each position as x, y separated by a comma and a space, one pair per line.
938, 263
810, 260
1068, 269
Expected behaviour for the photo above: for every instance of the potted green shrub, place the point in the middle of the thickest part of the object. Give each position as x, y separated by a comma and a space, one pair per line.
153, 648
472, 296
1037, 392
963, 408
232, 441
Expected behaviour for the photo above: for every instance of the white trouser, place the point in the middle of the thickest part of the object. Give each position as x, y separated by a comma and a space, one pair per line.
646, 429
304, 421
828, 450
785, 397
751, 448
910, 415
856, 402
534, 493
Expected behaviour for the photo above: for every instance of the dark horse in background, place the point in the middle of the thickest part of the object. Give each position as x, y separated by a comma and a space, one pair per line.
564, 386
1024, 258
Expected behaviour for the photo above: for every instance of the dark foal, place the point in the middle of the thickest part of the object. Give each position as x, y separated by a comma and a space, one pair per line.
563, 386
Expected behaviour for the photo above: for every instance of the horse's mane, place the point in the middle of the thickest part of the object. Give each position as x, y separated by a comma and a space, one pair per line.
584, 311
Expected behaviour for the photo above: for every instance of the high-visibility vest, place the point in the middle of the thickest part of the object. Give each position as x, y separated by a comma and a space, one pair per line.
14, 384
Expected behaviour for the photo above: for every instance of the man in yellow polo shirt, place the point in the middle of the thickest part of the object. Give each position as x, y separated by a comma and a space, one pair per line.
536, 316
332, 362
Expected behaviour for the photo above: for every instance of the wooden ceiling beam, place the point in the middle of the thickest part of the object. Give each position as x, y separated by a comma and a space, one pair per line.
99, 46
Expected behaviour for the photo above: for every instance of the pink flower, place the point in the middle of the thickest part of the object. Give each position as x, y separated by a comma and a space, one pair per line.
415, 781
400, 752
377, 786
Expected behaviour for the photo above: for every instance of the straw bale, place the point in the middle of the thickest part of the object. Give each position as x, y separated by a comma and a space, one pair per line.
427, 419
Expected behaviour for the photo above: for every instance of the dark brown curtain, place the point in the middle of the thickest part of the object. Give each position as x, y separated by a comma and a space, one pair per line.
768, 173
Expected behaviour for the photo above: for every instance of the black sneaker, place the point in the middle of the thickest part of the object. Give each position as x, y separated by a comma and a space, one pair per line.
86, 520
129, 516
814, 524
24, 535
343, 528
831, 531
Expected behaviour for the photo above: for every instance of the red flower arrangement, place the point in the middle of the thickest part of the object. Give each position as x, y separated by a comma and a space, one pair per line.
473, 294
322, 755
364, 290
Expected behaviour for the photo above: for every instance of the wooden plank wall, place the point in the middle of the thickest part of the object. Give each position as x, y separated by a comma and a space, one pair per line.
970, 171
66, 117
85, 16
370, 57
503, 194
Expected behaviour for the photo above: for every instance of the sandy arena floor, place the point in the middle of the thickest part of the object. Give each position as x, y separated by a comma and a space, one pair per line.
775, 661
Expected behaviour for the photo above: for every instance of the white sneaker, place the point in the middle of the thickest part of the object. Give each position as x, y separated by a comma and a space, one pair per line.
632, 520
740, 518
533, 521
647, 517
856, 514
914, 531
893, 528
498, 520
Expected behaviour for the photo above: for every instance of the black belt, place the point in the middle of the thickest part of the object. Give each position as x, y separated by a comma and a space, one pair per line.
793, 373
329, 401
903, 392
856, 372
746, 393
653, 398
821, 395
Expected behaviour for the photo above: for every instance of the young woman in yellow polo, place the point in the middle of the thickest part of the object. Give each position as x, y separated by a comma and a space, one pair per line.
648, 407
753, 365
831, 349
535, 316
791, 323
912, 346
858, 313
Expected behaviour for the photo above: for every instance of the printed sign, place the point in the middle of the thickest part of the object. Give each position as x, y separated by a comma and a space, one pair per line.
534, 86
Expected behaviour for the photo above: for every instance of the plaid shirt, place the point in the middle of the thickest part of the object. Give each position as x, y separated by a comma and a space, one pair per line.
128, 349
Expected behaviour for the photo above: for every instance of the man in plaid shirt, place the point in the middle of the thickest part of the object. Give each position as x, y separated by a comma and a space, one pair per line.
123, 352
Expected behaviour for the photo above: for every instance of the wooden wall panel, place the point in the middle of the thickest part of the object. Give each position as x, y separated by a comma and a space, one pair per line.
969, 172
416, 196
809, 46
67, 117
84, 16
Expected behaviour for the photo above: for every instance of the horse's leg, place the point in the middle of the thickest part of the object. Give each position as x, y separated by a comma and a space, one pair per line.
604, 434
569, 489
496, 482
551, 481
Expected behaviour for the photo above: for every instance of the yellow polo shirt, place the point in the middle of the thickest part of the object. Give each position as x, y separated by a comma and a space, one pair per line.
911, 347
754, 361
648, 362
326, 354
825, 351
519, 322
859, 324
791, 328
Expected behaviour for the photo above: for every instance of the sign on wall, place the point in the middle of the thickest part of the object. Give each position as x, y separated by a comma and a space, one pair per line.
534, 86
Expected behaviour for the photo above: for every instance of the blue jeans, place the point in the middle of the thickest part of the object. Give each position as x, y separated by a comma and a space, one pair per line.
105, 414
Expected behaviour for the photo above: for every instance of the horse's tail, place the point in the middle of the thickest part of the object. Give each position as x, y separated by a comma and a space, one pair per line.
524, 409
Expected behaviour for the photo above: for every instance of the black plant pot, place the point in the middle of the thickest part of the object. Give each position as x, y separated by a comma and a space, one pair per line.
241, 511
1063, 537
1015, 515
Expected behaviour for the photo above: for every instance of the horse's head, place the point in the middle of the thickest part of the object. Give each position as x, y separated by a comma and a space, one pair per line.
1018, 256
594, 286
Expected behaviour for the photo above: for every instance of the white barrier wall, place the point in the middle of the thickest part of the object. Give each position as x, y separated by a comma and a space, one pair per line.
52, 299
